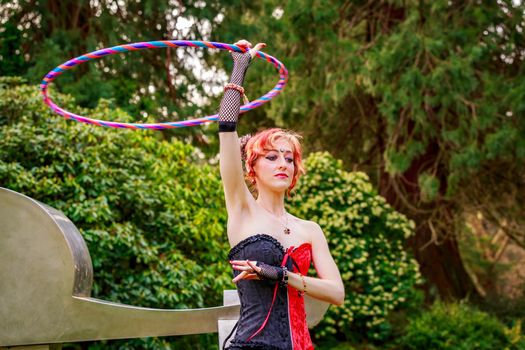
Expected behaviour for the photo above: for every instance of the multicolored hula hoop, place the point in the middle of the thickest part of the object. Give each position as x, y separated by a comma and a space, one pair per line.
49, 77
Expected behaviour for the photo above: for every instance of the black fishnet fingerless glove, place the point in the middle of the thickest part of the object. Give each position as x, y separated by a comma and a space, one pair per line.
269, 272
231, 101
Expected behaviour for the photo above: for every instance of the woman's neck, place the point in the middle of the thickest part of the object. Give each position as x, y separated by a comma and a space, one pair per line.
272, 202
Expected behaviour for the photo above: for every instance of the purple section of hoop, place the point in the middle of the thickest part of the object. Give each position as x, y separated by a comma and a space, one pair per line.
50, 76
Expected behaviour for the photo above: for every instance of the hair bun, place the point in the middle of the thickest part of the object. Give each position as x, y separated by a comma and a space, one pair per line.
244, 141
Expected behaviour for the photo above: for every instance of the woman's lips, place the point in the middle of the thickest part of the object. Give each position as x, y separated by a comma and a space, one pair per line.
282, 176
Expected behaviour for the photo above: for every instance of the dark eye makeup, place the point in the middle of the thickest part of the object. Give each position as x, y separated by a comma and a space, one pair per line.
273, 157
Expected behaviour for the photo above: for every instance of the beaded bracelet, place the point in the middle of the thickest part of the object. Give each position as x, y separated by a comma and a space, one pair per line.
301, 293
232, 86
285, 276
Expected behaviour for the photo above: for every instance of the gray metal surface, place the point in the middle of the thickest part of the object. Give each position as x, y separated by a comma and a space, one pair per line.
229, 297
34, 347
45, 283
315, 310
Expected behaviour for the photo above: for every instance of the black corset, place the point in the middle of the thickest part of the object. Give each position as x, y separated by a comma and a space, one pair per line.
256, 298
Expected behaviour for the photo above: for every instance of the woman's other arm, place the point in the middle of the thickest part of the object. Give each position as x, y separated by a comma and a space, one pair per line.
329, 286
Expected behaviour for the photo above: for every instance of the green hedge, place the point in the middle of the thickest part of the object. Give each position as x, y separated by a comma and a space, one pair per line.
460, 327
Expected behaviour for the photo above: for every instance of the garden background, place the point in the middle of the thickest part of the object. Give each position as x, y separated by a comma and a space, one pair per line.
413, 117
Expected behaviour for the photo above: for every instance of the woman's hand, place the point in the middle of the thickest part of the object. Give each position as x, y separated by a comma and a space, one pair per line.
245, 44
249, 270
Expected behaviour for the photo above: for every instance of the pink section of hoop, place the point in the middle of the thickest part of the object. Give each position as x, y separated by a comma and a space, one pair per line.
53, 74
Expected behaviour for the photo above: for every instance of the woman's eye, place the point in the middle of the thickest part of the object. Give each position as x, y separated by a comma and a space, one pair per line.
289, 160
271, 157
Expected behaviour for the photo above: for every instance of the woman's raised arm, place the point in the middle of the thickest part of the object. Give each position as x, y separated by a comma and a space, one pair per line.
235, 190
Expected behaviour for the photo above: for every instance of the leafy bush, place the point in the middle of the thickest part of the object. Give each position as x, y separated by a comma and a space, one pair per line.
460, 327
366, 238
152, 216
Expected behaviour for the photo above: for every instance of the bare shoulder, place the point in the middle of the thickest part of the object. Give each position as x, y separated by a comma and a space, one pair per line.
317, 233
311, 228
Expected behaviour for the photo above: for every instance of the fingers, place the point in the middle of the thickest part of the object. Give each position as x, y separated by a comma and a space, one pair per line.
243, 43
251, 276
242, 262
253, 266
245, 265
256, 48
239, 277
245, 275
242, 268
248, 269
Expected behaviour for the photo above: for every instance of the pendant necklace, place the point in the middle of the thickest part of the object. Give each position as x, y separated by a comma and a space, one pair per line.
279, 218
286, 227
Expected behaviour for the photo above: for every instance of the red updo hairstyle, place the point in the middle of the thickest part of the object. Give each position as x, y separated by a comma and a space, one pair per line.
259, 144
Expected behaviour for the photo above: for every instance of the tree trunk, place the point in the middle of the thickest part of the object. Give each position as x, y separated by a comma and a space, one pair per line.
442, 266
436, 252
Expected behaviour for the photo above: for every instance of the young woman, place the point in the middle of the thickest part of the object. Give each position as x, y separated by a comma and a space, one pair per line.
271, 249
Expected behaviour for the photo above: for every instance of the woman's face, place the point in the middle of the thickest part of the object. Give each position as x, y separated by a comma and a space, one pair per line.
274, 170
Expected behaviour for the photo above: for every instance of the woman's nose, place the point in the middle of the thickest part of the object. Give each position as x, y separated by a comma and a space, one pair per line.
282, 163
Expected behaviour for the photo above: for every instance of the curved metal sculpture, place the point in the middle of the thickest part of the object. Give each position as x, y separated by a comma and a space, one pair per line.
46, 277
